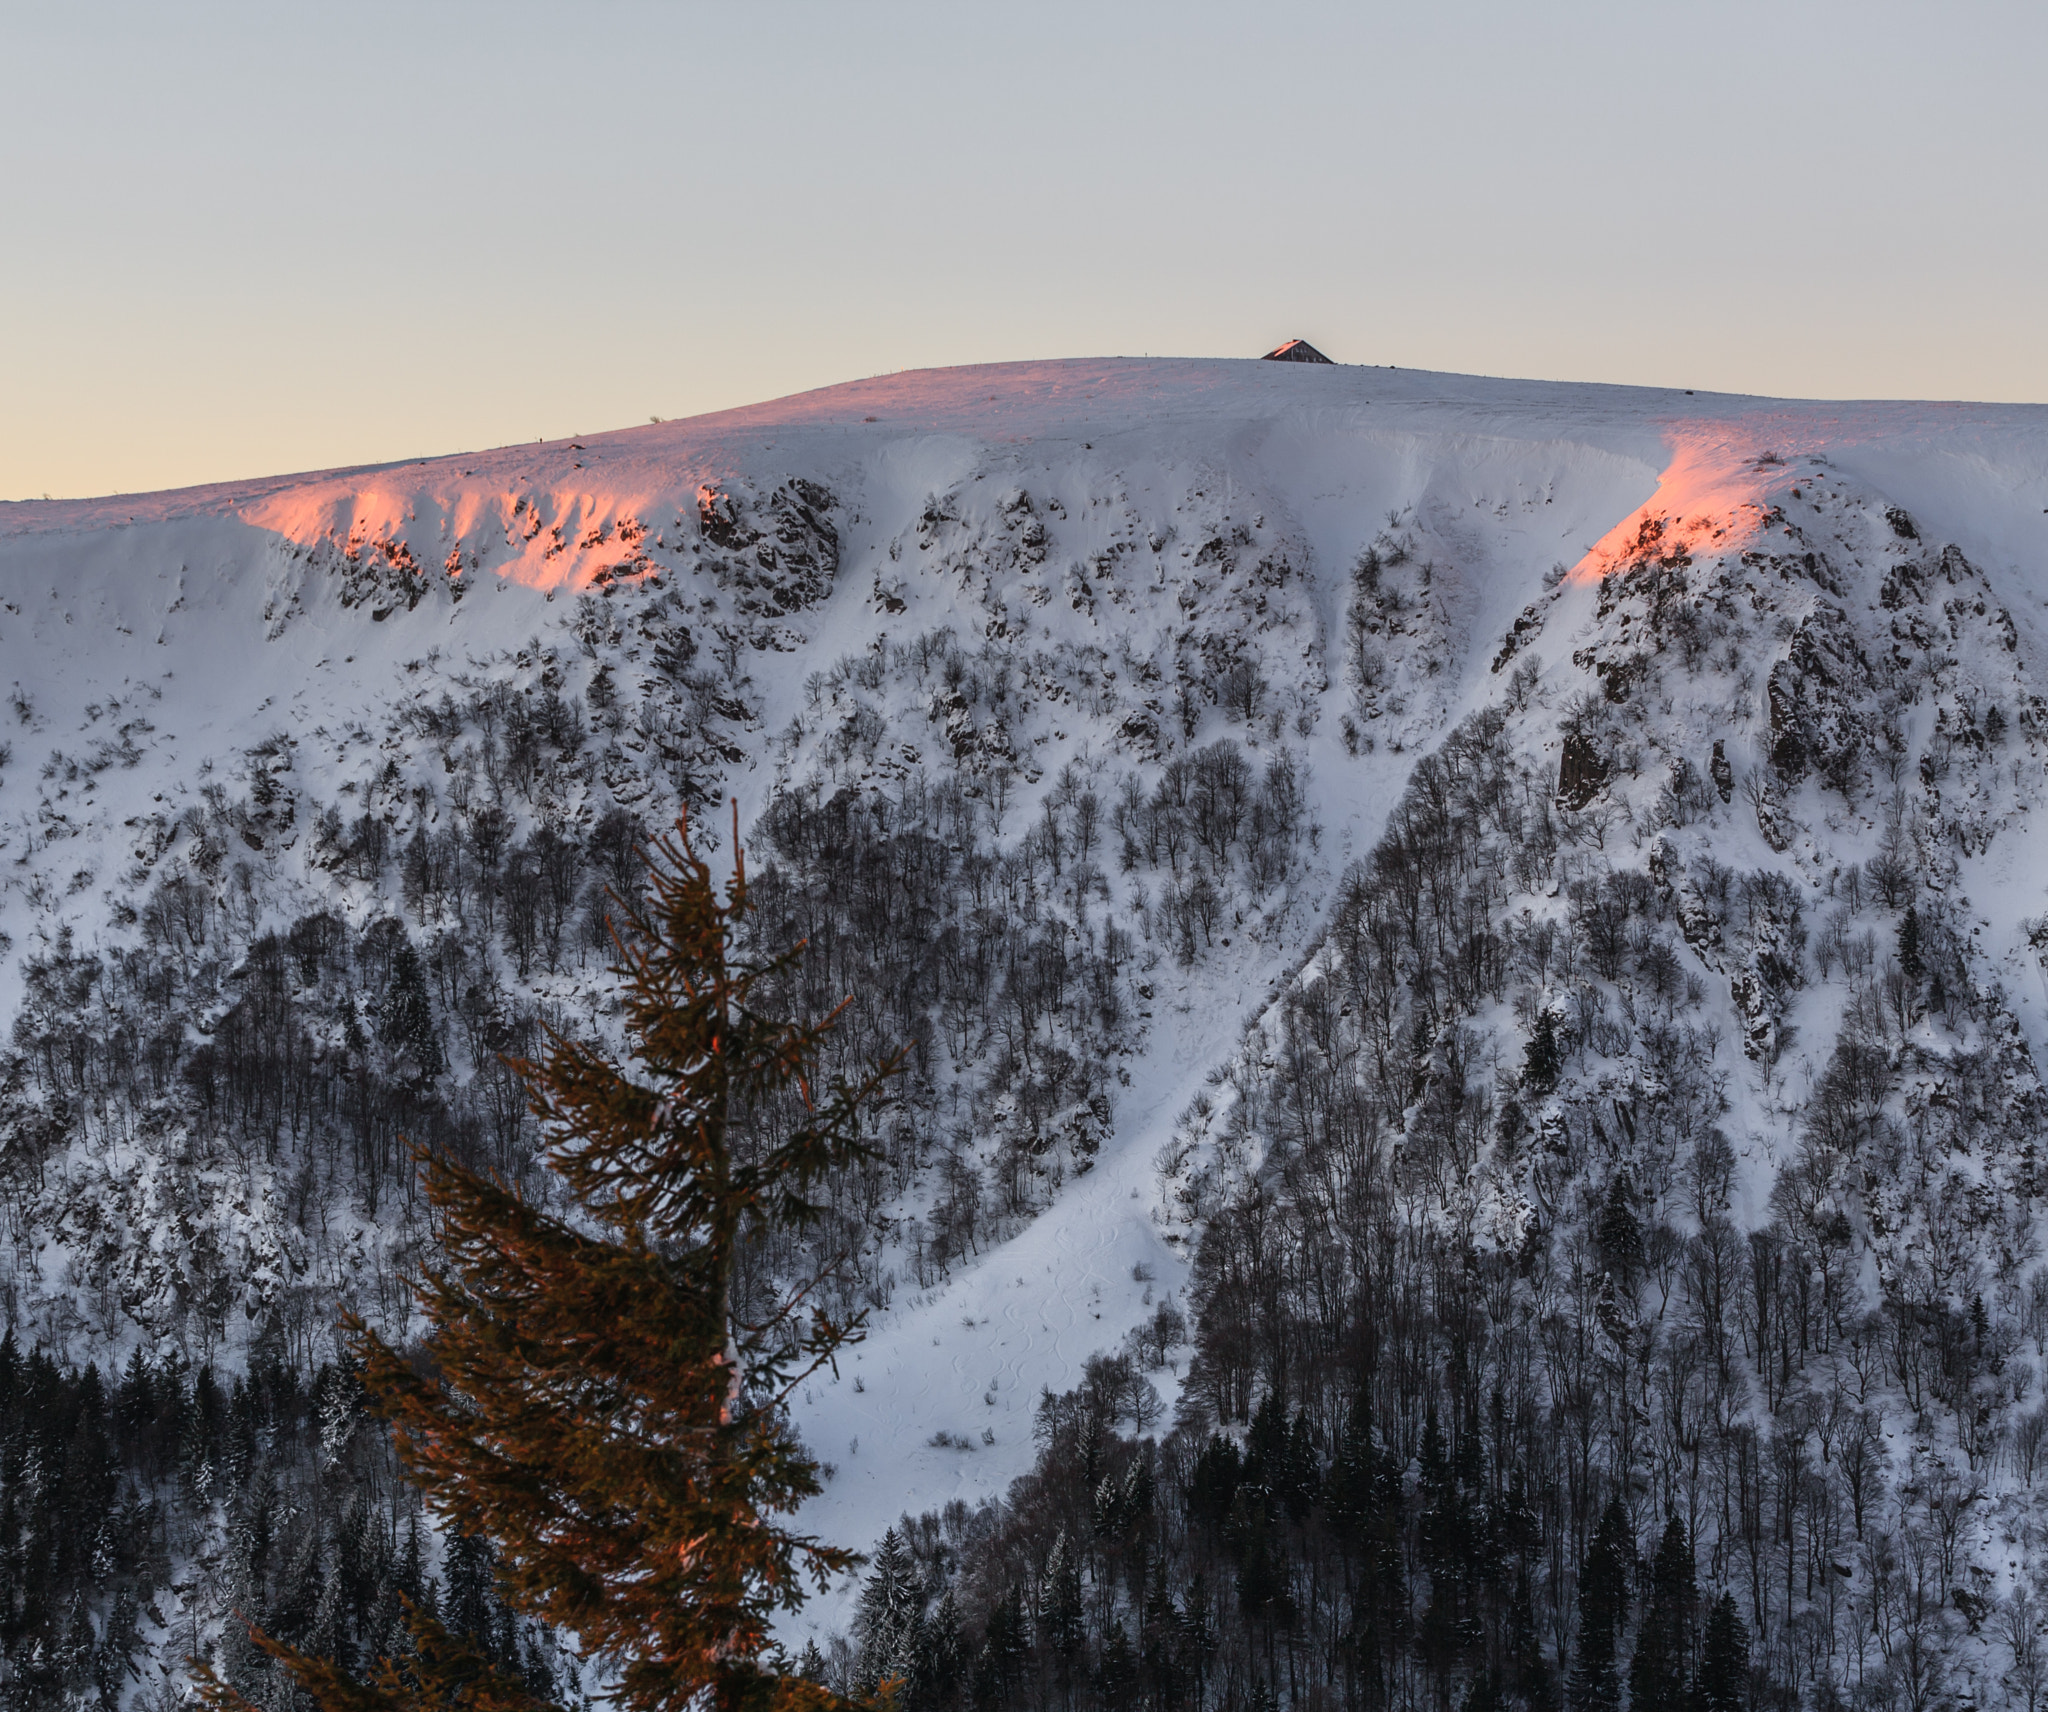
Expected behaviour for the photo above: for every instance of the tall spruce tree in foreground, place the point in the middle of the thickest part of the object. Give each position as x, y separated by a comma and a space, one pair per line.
594, 1402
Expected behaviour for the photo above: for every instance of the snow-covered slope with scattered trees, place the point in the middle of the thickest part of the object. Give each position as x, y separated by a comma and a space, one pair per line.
1518, 903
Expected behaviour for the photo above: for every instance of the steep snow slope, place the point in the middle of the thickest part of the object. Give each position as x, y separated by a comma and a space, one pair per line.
1164, 553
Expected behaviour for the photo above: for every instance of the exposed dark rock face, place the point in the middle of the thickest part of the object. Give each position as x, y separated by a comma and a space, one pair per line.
1581, 772
1814, 695
784, 549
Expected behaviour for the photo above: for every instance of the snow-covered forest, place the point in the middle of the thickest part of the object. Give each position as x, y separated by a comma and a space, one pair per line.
1472, 956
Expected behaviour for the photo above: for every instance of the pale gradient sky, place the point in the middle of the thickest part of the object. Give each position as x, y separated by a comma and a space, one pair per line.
238, 240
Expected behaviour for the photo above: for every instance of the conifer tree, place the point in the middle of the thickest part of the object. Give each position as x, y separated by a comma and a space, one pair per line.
1619, 1233
469, 1605
1911, 964
1303, 1480
1544, 1060
1060, 1610
1603, 1609
1441, 1536
1484, 1694
811, 1665
1004, 1648
406, 1018
597, 1403
352, 1035
1117, 1672
1532, 1669
890, 1618
1261, 1568
1265, 1447
1363, 1502
1724, 1659
935, 1683
1657, 1673
1158, 1641
1360, 1489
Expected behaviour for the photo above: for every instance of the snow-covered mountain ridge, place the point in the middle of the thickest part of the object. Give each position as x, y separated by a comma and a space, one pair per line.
1678, 641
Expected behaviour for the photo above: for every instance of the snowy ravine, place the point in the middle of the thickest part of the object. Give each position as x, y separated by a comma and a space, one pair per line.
1705, 624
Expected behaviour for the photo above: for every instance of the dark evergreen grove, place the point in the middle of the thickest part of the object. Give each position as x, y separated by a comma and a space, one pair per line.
112, 1488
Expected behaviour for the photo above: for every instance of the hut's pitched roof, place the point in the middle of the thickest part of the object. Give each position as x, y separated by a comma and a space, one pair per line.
1296, 351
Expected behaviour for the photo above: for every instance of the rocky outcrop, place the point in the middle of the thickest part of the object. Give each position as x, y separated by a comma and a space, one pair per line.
776, 555
1581, 771
1814, 695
